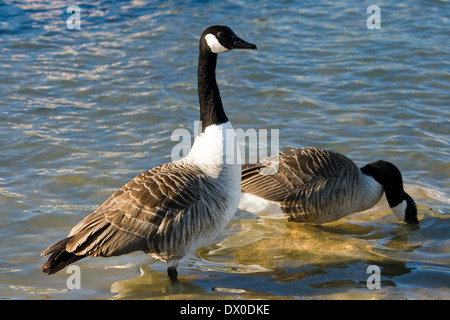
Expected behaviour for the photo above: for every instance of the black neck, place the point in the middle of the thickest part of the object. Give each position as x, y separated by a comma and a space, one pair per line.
389, 176
211, 108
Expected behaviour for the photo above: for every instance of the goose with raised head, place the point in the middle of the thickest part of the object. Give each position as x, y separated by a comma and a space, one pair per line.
318, 186
178, 207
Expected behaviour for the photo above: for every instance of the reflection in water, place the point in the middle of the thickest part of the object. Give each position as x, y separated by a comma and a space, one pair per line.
152, 284
289, 260
331, 256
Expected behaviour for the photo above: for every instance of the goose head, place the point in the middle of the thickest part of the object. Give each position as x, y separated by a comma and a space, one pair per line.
218, 39
389, 176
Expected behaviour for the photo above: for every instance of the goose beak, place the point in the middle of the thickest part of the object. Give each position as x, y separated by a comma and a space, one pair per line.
241, 44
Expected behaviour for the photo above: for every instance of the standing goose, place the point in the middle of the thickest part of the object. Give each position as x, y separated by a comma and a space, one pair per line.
317, 186
174, 208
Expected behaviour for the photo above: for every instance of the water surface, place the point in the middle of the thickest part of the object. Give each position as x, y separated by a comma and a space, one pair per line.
84, 111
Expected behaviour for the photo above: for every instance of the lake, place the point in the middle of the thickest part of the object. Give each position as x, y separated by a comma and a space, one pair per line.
90, 101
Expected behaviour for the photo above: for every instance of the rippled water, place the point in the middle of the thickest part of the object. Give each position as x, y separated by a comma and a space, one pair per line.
83, 111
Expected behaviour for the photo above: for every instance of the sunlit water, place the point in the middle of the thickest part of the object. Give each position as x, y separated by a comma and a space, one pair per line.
84, 111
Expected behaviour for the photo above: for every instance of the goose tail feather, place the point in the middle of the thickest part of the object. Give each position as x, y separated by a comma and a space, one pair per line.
59, 257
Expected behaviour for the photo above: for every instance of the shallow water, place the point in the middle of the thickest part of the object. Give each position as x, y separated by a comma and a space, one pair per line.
84, 111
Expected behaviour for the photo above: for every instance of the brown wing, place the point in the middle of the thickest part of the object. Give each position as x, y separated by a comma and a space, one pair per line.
295, 169
130, 217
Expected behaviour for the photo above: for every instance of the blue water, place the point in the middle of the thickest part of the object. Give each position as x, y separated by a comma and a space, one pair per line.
84, 111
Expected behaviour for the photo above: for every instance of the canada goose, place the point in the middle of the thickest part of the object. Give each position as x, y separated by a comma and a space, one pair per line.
317, 186
174, 208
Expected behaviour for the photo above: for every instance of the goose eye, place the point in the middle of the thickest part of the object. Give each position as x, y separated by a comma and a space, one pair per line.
220, 34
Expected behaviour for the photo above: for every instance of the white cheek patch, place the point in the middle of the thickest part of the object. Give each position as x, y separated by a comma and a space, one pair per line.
400, 210
214, 44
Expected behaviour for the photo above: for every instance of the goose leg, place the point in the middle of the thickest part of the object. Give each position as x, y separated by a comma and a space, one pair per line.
172, 273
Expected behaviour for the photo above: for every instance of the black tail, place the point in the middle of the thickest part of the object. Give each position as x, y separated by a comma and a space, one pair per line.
59, 257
